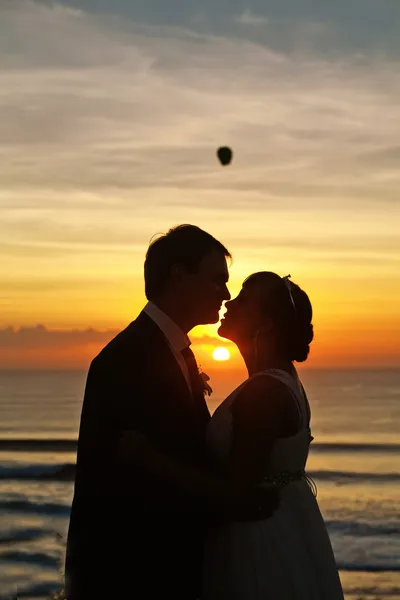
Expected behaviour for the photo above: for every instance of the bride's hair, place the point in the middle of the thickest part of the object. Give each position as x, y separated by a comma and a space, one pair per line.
290, 309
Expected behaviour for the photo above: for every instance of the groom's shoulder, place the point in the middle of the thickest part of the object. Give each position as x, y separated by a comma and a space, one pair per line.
133, 340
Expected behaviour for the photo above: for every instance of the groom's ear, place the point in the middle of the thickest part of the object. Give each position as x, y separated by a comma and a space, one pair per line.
177, 273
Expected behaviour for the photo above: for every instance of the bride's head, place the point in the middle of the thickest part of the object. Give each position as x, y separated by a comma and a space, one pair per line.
271, 314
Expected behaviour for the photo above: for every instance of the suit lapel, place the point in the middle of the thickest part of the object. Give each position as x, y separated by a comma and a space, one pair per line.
166, 363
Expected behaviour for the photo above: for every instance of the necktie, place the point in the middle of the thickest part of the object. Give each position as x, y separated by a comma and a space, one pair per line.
194, 376
196, 382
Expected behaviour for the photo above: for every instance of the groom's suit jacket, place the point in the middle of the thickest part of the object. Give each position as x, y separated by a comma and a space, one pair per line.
127, 527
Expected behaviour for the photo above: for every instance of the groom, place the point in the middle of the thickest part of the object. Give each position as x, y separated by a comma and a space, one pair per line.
131, 535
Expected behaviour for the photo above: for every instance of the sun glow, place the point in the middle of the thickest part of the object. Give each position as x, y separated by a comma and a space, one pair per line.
221, 354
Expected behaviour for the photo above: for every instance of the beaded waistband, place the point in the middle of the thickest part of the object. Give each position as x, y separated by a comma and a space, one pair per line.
284, 477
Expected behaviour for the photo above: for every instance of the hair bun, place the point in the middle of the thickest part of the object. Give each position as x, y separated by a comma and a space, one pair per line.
301, 347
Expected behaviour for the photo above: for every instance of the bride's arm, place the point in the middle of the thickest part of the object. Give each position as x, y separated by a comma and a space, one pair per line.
262, 412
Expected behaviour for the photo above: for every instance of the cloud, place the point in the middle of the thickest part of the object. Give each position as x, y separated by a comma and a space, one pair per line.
247, 17
213, 340
127, 103
109, 127
93, 105
386, 158
40, 337
361, 23
41, 347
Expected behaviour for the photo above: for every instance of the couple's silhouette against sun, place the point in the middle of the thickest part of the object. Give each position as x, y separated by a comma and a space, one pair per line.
171, 503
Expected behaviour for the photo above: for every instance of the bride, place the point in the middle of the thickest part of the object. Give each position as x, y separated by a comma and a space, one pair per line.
259, 437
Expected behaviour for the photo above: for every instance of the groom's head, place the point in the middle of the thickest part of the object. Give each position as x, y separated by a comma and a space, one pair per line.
186, 270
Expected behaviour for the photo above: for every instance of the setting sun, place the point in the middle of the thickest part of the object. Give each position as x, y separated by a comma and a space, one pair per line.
221, 354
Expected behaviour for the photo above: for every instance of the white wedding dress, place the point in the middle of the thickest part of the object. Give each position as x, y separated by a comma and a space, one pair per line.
287, 556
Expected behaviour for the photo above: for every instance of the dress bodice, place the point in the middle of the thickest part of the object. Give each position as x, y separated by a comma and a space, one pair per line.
289, 454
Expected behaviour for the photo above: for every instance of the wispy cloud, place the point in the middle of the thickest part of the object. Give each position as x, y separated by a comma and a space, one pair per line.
43, 347
139, 108
40, 348
247, 17
40, 337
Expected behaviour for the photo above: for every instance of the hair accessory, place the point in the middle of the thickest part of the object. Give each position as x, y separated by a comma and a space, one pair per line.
288, 285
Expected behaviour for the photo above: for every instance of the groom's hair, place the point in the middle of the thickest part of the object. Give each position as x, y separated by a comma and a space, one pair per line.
184, 245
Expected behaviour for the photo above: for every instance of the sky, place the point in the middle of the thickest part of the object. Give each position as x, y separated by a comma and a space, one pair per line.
110, 116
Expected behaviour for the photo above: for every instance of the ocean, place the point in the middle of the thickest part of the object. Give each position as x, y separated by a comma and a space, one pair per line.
354, 459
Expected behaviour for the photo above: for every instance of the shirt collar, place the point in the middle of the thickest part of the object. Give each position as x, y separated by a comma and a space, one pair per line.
177, 338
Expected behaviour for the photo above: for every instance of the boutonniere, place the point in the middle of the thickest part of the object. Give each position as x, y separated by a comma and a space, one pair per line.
207, 389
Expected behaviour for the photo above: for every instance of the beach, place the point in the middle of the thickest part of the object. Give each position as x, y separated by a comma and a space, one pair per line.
354, 460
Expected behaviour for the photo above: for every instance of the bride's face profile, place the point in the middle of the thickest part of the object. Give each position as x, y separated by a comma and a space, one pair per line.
244, 316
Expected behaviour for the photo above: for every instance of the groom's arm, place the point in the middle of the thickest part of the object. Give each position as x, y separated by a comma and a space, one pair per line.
120, 397
220, 496
98, 427
111, 402
135, 449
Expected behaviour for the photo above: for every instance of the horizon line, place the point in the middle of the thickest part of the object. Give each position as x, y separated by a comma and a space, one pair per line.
298, 366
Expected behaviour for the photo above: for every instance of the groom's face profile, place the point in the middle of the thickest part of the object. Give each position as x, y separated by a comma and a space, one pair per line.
205, 290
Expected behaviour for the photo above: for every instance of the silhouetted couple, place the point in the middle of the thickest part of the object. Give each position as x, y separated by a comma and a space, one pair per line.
170, 503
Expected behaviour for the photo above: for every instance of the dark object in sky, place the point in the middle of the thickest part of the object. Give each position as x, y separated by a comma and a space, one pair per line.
225, 155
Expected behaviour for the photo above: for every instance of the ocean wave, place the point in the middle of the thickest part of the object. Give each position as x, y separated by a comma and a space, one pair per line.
354, 447
362, 529
373, 592
365, 568
63, 472
26, 507
12, 536
70, 445
40, 558
342, 477
40, 590
38, 445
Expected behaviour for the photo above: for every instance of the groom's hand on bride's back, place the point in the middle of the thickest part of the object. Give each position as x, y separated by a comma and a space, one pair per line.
267, 501
257, 505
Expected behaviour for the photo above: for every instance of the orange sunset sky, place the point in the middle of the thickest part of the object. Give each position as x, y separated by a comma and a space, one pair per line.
109, 122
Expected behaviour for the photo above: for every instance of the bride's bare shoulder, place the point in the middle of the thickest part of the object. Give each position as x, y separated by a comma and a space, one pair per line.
265, 401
